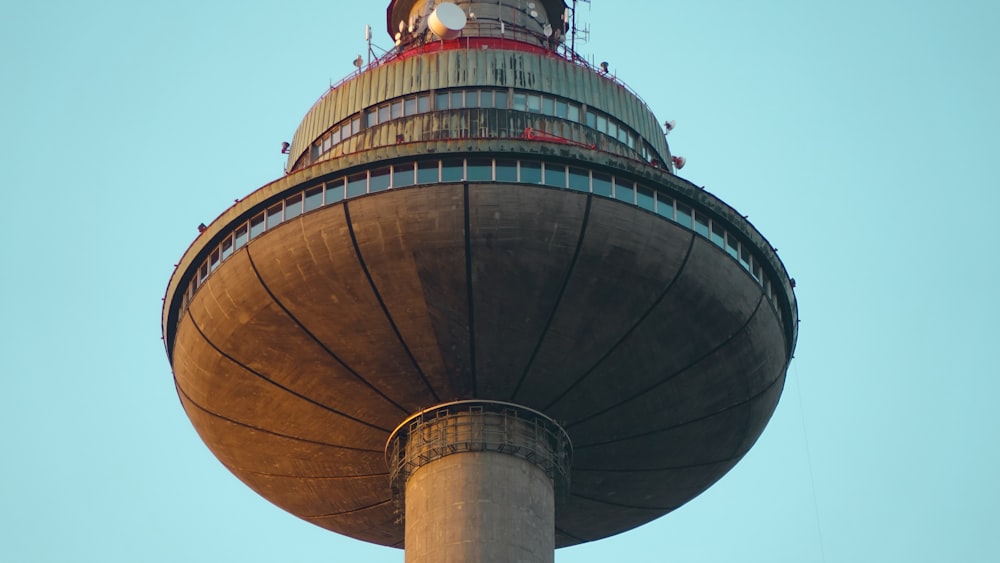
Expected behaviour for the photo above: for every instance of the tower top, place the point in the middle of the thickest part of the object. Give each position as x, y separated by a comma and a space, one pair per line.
539, 22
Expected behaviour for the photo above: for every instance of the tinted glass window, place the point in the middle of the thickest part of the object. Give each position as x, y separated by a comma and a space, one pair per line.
555, 175
531, 172
684, 215
479, 170
644, 197
257, 225
314, 198
452, 170
427, 172
701, 224
334, 191
402, 175
274, 215
240, 237
602, 184
357, 184
624, 191
579, 179
293, 206
379, 180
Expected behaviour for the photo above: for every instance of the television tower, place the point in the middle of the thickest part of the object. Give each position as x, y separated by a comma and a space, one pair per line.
480, 316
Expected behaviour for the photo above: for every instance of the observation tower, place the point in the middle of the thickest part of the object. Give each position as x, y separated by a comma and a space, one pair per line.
480, 316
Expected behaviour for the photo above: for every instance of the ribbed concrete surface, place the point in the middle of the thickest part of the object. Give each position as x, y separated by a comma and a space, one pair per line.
653, 348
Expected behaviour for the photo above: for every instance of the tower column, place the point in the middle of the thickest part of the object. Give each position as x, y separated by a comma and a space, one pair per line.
478, 481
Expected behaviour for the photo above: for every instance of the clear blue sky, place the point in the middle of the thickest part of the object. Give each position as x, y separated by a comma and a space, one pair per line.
859, 136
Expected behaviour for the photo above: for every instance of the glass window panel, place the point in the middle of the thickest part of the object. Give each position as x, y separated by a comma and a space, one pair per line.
644, 197
555, 175
274, 215
601, 183
506, 170
520, 102
531, 172
579, 179
561, 109
441, 101
427, 172
293, 206
548, 106
452, 170
402, 175
397, 109
410, 106
718, 235
732, 246
357, 184
334, 191
665, 206
624, 191
457, 99
602, 124
684, 215
227, 247
501, 99
314, 198
240, 237
213, 260
574, 112
384, 113
745, 256
479, 170
534, 103
701, 224
257, 225
380, 179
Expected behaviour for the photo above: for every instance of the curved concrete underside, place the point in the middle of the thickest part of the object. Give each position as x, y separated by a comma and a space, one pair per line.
653, 348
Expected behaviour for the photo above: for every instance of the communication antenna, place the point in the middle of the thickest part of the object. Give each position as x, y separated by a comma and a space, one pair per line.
584, 32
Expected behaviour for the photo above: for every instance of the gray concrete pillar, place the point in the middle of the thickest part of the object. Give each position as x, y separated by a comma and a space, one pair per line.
477, 482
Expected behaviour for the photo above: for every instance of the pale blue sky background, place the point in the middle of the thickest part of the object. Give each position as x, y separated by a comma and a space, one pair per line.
859, 136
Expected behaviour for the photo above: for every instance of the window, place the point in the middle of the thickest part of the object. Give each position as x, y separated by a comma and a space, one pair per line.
602, 184
579, 179
402, 175
335, 191
531, 172
644, 197
624, 191
380, 179
555, 175
274, 215
684, 215
293, 206
506, 171
427, 172
479, 170
357, 184
257, 225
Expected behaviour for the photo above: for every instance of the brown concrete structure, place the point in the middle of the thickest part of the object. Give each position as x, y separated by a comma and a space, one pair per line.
415, 259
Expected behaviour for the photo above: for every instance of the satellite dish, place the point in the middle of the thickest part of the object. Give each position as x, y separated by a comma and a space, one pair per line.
447, 21
679, 162
669, 126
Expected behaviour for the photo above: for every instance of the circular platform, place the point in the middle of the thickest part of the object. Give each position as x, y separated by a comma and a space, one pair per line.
653, 348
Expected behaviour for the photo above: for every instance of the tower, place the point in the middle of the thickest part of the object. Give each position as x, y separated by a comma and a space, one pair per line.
480, 313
